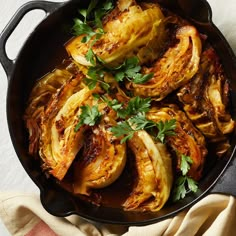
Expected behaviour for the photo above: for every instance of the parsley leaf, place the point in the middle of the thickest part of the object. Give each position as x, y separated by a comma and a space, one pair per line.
80, 28
135, 106
89, 116
135, 112
114, 104
179, 191
166, 129
91, 7
95, 75
92, 19
133, 124
102, 11
140, 122
141, 79
123, 128
90, 56
185, 164
95, 72
184, 182
91, 83
182, 185
108, 5
192, 184
138, 104
96, 96
130, 69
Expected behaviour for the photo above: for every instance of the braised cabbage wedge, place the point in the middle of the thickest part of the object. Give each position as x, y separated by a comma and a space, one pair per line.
206, 101
177, 66
154, 178
102, 162
59, 143
187, 140
131, 29
39, 97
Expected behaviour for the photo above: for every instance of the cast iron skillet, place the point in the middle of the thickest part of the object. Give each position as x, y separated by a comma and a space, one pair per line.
43, 50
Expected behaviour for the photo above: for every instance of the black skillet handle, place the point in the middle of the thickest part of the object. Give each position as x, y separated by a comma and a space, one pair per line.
48, 7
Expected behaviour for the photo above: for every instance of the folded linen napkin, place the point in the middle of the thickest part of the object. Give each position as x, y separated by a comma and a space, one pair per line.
23, 214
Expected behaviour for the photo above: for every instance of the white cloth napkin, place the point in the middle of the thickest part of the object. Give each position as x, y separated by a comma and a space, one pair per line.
23, 214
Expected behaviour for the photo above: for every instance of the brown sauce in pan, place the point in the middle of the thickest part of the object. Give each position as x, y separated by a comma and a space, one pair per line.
113, 195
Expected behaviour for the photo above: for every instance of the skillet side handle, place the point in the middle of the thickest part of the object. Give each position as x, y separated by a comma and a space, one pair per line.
48, 7
226, 183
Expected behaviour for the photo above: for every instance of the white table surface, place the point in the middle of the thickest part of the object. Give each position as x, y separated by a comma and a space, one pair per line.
12, 175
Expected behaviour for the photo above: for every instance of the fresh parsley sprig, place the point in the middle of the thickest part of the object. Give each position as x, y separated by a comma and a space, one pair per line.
81, 28
184, 183
186, 162
136, 123
166, 129
135, 106
92, 17
91, 25
130, 70
114, 104
95, 75
106, 7
140, 122
123, 128
134, 113
128, 127
89, 116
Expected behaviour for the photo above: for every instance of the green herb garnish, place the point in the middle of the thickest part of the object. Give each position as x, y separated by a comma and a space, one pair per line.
186, 162
166, 129
130, 70
81, 28
92, 17
91, 25
89, 116
136, 123
95, 75
101, 12
135, 106
114, 104
123, 129
184, 182
182, 185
